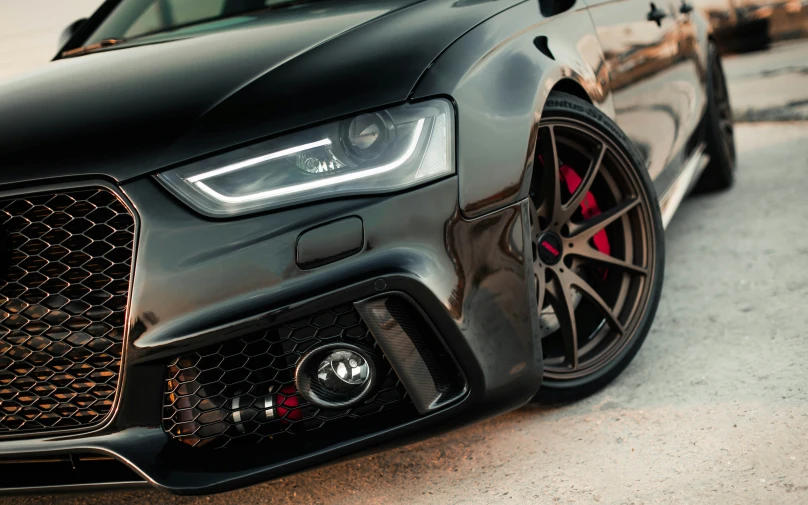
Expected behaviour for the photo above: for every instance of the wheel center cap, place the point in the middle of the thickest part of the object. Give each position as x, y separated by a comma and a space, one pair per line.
550, 248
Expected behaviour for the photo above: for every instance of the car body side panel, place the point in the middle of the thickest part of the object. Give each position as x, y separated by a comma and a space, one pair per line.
694, 81
500, 80
704, 31
691, 94
655, 78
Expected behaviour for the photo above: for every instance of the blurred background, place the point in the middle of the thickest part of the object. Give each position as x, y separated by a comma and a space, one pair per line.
30, 29
747, 25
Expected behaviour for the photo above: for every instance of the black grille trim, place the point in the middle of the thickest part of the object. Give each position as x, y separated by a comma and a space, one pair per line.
64, 295
65, 472
199, 408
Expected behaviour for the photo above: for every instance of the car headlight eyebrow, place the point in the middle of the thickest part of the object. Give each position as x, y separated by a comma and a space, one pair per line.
366, 154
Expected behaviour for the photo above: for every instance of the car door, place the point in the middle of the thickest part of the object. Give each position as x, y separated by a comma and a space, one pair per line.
652, 89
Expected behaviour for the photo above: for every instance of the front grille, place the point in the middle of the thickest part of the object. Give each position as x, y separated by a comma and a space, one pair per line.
66, 260
201, 387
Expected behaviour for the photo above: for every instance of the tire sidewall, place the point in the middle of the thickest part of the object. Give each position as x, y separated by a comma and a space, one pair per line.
561, 105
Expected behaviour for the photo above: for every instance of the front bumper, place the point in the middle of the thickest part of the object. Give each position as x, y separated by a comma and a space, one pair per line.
198, 282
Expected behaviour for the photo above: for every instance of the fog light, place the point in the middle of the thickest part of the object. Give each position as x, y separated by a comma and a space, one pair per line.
335, 375
342, 371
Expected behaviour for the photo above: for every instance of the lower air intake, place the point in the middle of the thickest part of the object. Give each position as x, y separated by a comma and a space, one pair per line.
243, 392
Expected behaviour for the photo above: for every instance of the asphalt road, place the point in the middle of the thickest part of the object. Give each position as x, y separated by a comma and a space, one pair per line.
712, 410
770, 85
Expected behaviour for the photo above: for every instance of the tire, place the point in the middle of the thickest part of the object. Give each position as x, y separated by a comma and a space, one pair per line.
604, 281
718, 130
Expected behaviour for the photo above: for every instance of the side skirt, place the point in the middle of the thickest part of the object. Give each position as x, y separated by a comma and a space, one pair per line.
687, 178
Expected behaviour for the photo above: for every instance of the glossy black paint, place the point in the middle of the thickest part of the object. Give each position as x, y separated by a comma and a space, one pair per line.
190, 291
330, 242
500, 80
459, 247
657, 78
129, 111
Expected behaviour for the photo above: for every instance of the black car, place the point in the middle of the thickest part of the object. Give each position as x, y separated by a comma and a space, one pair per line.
244, 237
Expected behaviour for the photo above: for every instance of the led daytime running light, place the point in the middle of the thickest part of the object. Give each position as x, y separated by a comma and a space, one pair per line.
307, 186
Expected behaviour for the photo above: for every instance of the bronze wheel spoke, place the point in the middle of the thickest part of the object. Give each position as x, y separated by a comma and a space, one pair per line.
540, 288
586, 290
560, 297
589, 253
551, 180
582, 232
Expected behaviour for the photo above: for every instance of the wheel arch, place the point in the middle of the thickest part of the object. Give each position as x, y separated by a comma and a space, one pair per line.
500, 75
572, 87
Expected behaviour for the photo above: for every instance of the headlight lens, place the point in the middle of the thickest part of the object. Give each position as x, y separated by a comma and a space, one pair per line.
370, 153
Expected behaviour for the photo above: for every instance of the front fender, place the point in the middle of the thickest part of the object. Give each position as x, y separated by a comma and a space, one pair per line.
500, 74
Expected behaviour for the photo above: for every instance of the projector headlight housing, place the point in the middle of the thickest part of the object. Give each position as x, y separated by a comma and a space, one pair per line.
369, 153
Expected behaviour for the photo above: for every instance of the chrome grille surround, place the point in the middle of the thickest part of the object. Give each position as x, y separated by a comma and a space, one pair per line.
65, 270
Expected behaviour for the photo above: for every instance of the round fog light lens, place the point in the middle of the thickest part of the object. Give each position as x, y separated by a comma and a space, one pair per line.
335, 375
343, 371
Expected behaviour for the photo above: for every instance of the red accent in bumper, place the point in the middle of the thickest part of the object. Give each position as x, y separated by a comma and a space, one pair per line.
287, 404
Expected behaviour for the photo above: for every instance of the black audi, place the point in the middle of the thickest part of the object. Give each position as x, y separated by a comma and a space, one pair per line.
241, 238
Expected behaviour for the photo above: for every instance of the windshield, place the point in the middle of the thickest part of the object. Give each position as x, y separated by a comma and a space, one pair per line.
140, 18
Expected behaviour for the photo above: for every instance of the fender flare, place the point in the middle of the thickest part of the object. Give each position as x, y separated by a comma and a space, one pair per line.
499, 76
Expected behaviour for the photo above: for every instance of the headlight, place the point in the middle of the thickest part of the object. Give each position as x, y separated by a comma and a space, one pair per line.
369, 153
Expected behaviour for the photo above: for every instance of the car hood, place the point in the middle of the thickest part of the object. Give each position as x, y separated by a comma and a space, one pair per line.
129, 111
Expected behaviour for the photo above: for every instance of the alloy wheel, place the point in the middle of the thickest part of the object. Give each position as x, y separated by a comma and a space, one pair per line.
593, 248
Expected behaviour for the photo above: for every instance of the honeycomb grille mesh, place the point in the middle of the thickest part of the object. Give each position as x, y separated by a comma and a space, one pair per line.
66, 259
258, 371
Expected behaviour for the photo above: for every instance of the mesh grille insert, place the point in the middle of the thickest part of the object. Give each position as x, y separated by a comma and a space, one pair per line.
242, 391
65, 261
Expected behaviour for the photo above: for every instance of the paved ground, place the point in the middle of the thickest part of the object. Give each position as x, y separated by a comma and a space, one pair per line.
770, 85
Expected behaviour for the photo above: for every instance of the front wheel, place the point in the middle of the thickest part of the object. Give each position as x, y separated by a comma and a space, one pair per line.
598, 248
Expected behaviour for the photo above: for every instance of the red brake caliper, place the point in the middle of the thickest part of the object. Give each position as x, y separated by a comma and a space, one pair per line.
589, 207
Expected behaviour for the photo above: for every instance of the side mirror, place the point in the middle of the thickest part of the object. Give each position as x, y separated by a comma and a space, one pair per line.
71, 30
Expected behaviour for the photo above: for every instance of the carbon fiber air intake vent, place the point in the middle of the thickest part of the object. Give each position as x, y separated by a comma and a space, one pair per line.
429, 373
